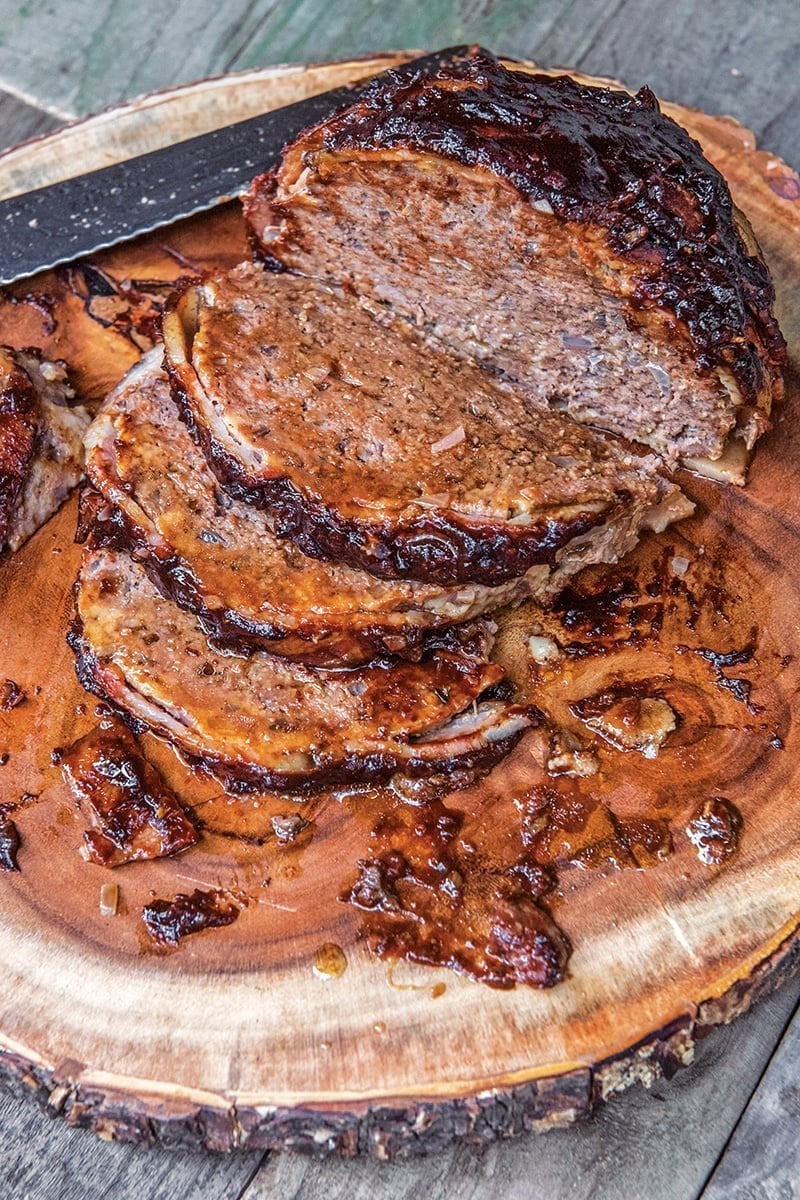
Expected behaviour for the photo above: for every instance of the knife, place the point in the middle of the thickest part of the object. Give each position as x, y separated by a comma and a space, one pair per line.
66, 220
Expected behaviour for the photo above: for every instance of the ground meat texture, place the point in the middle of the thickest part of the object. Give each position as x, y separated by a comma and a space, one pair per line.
261, 722
373, 448
41, 452
219, 556
571, 238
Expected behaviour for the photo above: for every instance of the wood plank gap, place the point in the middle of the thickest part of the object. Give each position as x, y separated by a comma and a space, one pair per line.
245, 1188
52, 110
776, 1051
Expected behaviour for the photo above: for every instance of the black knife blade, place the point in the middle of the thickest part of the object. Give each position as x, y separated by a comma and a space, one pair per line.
64, 221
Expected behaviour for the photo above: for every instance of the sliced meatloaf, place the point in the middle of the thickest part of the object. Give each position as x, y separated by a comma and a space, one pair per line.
570, 238
373, 448
261, 722
41, 450
219, 557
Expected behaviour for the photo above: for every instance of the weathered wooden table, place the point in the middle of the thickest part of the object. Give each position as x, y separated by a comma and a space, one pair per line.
730, 1126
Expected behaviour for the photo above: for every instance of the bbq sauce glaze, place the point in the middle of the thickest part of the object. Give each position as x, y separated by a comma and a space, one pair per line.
599, 157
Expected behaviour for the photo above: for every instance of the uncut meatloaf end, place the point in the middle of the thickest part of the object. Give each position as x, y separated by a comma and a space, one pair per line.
41, 443
261, 722
219, 557
371, 447
573, 239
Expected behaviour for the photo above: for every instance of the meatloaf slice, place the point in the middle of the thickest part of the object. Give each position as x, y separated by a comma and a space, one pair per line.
218, 557
571, 238
261, 722
372, 448
41, 451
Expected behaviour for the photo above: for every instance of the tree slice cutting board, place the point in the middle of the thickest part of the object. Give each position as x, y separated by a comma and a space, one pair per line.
261, 1035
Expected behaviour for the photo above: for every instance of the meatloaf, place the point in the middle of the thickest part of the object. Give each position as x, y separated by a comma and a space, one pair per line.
219, 557
373, 448
261, 722
41, 450
573, 239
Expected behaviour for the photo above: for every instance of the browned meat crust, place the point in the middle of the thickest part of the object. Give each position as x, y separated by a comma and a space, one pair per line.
371, 448
264, 723
19, 429
41, 451
169, 921
136, 816
220, 558
637, 203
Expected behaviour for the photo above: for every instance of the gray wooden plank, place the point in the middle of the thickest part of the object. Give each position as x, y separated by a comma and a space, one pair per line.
41, 1158
734, 58
80, 55
762, 1159
20, 121
660, 1144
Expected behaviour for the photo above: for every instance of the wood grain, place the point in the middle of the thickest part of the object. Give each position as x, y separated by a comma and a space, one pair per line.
762, 1159
346, 1091
623, 1148
77, 58
688, 60
45, 1159
660, 1143
19, 120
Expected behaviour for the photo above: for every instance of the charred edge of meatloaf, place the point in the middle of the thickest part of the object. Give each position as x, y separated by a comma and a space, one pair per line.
20, 422
431, 549
322, 644
242, 778
602, 157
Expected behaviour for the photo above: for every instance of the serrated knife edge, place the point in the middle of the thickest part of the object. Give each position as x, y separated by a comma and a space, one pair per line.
63, 221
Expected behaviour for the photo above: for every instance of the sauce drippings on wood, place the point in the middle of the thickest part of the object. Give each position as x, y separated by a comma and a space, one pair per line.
432, 896
565, 827
466, 887
167, 921
132, 308
720, 661
135, 814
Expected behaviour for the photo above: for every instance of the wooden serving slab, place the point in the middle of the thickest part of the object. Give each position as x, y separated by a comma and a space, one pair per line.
261, 1035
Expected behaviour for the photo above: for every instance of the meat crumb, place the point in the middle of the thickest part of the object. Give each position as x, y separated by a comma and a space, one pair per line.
629, 719
288, 826
167, 921
134, 813
11, 695
569, 757
714, 830
454, 438
543, 650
